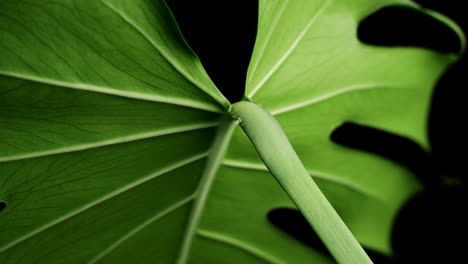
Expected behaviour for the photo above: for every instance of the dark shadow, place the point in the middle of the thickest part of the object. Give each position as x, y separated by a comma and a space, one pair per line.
406, 26
432, 226
447, 126
2, 206
387, 145
222, 34
455, 9
293, 223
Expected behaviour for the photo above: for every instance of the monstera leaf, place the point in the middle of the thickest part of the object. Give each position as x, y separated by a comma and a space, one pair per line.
115, 146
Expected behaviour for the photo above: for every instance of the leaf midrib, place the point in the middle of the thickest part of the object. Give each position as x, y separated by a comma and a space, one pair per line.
215, 158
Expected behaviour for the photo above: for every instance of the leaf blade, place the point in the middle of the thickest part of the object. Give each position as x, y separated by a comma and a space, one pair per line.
119, 60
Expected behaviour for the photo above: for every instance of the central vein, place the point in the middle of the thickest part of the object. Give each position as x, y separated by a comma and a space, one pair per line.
213, 162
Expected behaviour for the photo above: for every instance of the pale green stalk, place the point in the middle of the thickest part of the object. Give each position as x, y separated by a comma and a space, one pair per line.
278, 155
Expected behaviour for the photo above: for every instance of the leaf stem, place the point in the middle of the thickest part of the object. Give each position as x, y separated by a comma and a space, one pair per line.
280, 158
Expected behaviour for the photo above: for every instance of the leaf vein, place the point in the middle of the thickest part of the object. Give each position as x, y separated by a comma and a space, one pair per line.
268, 37
111, 91
214, 160
104, 198
237, 244
325, 97
290, 49
118, 140
152, 42
315, 174
140, 227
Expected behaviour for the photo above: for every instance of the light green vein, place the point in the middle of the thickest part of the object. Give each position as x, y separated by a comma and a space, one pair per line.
102, 199
140, 227
118, 140
214, 160
337, 92
113, 91
238, 245
290, 49
277, 17
174, 64
315, 174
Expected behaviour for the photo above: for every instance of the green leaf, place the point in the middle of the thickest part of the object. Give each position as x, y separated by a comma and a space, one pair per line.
112, 135
309, 51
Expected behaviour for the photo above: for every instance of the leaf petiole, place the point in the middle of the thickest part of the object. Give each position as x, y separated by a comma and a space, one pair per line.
274, 149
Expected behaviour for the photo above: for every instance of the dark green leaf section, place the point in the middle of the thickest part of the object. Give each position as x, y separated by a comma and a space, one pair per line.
104, 193
106, 117
141, 247
38, 119
94, 45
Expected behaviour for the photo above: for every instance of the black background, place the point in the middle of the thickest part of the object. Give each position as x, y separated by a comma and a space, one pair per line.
222, 33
